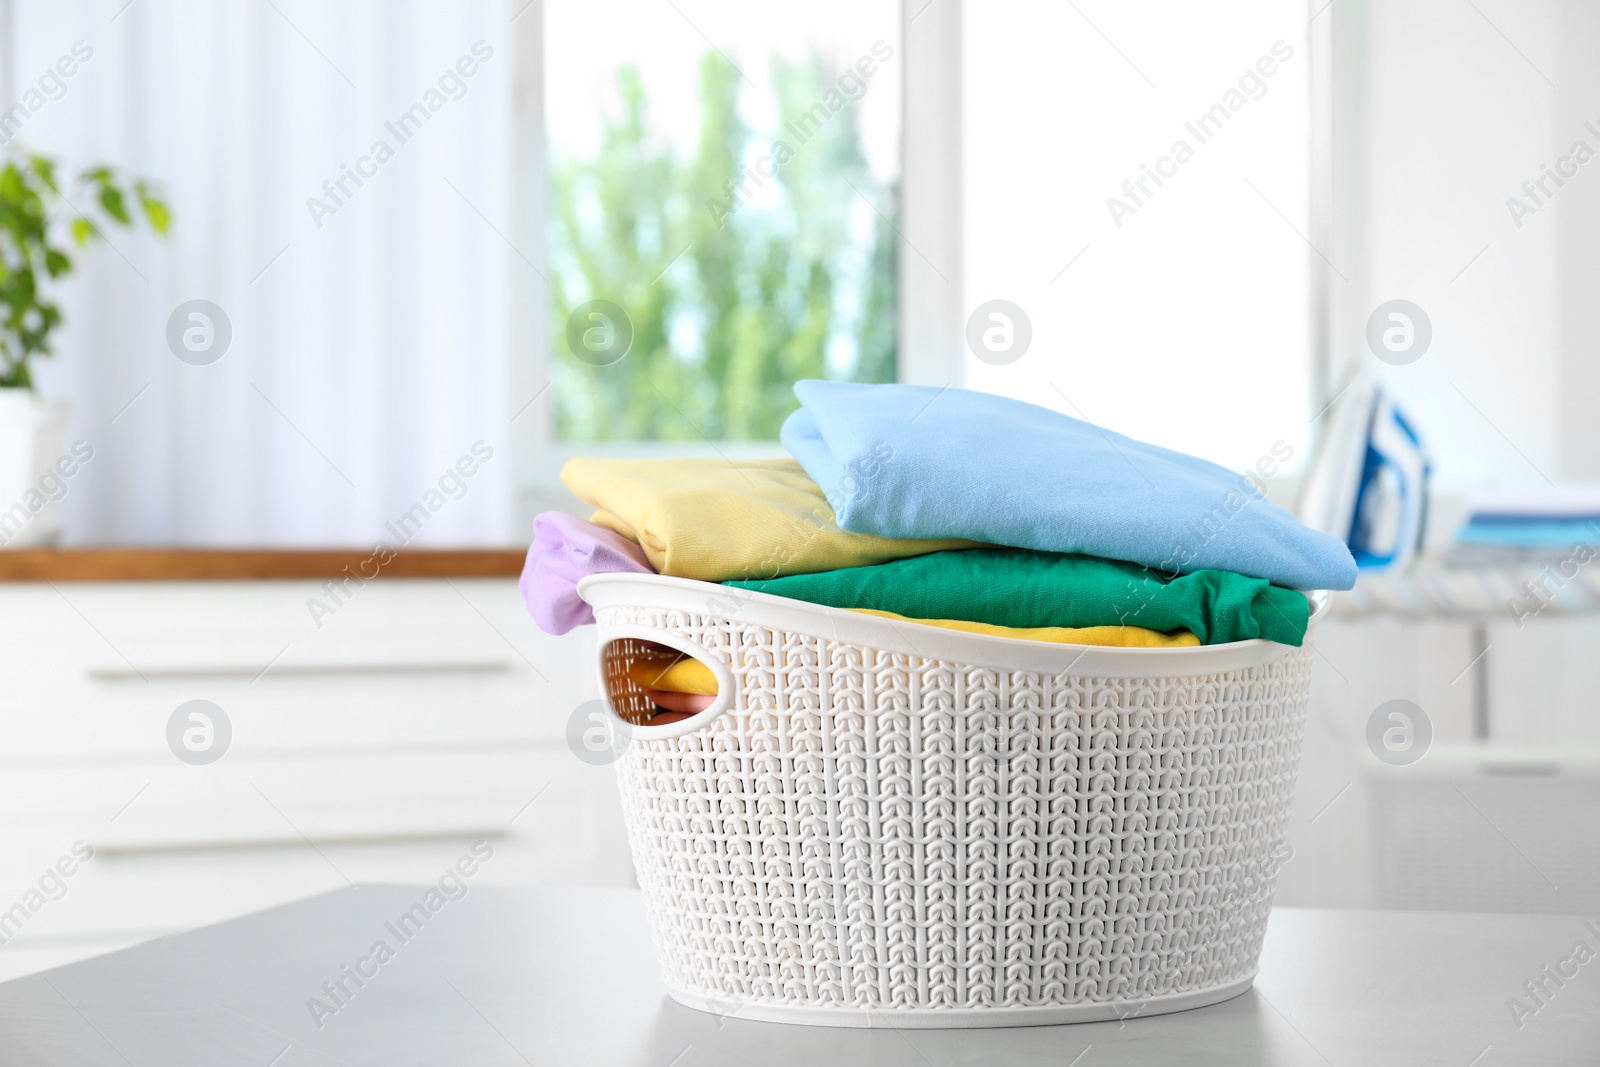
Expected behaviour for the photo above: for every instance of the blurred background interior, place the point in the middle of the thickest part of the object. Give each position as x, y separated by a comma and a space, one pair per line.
339, 248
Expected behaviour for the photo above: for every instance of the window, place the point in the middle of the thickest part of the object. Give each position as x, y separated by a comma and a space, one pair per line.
724, 190
1168, 288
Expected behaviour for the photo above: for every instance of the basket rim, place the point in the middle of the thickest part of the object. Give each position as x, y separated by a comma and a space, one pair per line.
930, 642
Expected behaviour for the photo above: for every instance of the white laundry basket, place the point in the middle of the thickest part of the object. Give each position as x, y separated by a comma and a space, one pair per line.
879, 823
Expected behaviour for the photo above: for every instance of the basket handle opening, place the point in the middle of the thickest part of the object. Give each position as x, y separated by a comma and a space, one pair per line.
656, 686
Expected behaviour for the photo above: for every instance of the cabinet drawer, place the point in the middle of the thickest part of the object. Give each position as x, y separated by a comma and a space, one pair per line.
571, 835
239, 801
419, 663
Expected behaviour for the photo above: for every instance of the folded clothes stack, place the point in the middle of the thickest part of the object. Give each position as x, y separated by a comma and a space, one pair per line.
1513, 527
947, 508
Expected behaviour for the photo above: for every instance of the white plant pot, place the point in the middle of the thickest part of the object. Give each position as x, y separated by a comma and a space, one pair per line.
33, 438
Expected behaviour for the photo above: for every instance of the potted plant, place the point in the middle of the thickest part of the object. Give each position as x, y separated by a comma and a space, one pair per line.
33, 254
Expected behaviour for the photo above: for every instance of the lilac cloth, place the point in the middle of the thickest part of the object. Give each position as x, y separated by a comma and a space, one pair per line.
564, 550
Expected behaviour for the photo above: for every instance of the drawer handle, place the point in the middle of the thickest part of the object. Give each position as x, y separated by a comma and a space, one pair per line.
1522, 768
112, 673
138, 846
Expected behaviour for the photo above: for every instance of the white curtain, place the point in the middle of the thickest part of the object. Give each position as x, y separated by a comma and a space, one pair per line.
371, 337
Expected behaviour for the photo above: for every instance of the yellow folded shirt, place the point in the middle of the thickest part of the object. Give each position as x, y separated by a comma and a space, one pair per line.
685, 674
717, 520
1110, 636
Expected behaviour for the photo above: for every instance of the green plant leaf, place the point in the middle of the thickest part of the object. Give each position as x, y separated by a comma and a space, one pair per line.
56, 263
82, 230
45, 168
156, 211
111, 200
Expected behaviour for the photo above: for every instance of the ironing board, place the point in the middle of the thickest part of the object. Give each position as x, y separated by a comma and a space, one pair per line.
1432, 590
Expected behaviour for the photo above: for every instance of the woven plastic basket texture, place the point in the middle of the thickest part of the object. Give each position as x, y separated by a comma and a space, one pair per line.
884, 824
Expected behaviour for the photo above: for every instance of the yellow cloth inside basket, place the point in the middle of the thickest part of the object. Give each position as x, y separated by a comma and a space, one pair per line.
682, 675
1109, 636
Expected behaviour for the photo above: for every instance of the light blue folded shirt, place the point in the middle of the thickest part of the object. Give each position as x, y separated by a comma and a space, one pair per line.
916, 461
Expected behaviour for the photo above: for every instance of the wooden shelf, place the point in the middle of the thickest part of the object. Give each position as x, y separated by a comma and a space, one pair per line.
203, 564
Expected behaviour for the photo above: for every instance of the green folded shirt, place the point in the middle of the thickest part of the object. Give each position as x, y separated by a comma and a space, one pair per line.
1024, 588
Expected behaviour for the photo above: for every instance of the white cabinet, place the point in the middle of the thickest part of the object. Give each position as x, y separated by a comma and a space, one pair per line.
1504, 822
421, 715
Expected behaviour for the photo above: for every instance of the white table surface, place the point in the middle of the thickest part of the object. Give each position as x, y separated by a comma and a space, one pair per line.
568, 977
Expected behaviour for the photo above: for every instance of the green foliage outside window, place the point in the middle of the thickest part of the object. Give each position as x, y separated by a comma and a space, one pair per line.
760, 293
